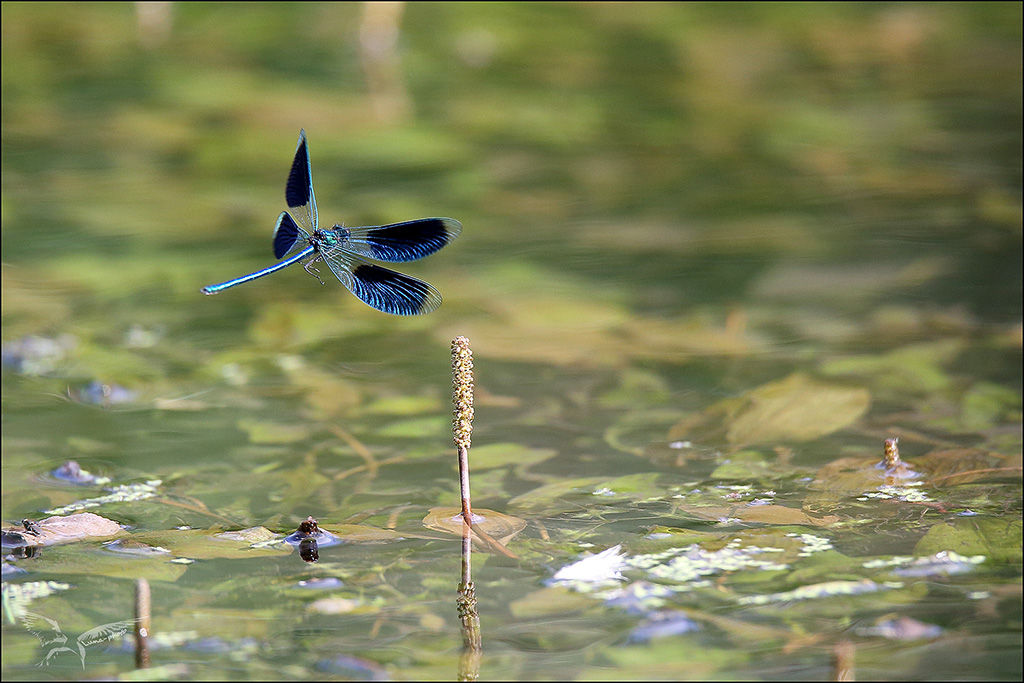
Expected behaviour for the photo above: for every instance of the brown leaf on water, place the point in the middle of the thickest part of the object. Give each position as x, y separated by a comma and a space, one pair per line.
501, 527
795, 408
779, 514
54, 530
962, 465
849, 477
254, 534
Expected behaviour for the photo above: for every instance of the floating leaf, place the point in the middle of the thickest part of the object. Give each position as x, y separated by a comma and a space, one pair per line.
848, 477
131, 546
491, 530
254, 534
204, 544
53, 530
962, 465
503, 528
779, 514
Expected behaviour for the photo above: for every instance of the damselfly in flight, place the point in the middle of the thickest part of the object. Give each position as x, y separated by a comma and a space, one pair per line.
345, 250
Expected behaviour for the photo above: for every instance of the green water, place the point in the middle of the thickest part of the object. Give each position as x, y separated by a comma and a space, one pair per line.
708, 252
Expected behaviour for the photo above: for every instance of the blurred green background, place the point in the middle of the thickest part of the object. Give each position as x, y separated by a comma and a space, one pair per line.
672, 152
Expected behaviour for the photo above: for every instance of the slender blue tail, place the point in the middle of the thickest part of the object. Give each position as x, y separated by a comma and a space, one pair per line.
214, 289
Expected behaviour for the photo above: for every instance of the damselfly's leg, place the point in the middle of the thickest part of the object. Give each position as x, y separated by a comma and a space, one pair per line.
314, 271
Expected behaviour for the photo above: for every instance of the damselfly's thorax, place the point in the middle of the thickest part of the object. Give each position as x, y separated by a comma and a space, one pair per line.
328, 240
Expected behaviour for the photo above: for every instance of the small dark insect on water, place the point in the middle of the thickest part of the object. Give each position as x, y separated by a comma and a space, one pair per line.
308, 527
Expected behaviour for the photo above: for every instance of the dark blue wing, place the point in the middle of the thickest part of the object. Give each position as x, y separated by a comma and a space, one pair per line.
298, 193
287, 234
380, 288
400, 242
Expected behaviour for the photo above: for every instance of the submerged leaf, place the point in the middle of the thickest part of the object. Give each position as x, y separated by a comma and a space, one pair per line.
745, 466
662, 625
414, 428
550, 496
546, 602
996, 539
262, 432
815, 591
403, 405
796, 408
985, 405
362, 533
759, 514
508, 453
916, 368
901, 628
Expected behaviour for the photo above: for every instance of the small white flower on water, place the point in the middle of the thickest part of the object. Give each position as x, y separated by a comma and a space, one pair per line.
600, 568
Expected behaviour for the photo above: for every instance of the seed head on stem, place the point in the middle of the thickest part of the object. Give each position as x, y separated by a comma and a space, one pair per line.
462, 392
